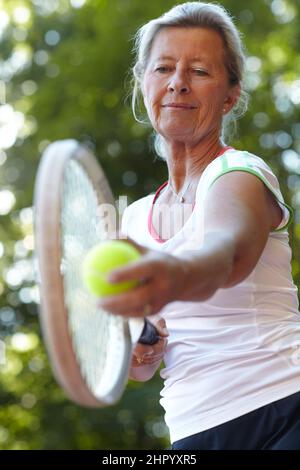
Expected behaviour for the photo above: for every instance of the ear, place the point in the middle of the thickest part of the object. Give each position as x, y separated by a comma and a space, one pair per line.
233, 96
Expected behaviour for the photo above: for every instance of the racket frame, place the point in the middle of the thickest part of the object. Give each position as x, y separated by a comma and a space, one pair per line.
53, 312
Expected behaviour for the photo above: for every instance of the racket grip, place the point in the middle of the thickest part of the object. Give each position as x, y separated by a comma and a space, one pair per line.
149, 334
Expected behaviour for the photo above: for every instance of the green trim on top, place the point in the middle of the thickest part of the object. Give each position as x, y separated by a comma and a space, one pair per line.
224, 162
266, 182
247, 156
243, 154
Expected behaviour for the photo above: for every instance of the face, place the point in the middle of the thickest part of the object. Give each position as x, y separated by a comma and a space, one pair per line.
185, 85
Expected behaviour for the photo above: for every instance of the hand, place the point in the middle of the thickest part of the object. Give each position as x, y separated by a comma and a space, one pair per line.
145, 355
161, 280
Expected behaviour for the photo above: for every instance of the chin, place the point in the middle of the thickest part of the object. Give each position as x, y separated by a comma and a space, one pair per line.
182, 135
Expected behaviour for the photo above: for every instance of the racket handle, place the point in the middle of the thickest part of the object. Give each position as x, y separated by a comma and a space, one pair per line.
149, 334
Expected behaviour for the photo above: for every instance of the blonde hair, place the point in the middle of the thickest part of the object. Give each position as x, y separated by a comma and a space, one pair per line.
193, 14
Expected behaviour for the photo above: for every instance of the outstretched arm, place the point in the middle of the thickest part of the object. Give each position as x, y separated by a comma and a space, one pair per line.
239, 214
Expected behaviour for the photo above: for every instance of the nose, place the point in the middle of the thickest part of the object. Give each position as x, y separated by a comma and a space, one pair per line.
178, 83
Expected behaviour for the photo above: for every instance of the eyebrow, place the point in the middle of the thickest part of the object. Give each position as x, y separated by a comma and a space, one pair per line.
194, 59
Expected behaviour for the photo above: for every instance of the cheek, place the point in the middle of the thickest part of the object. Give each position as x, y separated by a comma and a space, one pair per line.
214, 92
152, 100
153, 89
214, 99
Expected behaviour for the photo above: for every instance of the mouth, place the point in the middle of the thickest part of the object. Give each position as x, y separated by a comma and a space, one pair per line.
179, 106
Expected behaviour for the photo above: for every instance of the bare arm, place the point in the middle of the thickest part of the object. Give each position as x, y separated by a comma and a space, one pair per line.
239, 214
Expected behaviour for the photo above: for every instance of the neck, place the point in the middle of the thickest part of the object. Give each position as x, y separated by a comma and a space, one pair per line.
187, 162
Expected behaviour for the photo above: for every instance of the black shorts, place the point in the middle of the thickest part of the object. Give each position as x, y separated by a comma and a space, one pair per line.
275, 426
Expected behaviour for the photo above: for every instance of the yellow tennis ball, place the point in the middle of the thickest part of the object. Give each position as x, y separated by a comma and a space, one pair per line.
101, 260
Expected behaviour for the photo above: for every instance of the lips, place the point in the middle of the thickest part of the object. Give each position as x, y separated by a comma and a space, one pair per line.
179, 105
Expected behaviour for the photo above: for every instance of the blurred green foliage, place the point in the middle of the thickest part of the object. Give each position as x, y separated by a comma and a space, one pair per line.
64, 73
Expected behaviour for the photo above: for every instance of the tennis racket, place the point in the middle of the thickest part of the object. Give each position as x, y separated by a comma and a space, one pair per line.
90, 350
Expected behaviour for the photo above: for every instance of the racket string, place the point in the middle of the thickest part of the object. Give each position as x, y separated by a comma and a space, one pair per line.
97, 336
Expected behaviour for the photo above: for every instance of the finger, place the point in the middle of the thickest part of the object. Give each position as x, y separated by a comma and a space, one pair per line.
135, 362
149, 354
138, 270
142, 249
160, 325
162, 331
157, 349
143, 350
130, 303
152, 360
148, 359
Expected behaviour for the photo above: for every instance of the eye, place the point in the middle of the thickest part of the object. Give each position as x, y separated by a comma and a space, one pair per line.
163, 69
200, 72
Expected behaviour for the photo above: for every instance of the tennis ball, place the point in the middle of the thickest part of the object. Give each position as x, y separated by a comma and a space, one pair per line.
101, 260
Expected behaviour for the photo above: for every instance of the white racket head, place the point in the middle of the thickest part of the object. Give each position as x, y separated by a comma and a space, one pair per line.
90, 350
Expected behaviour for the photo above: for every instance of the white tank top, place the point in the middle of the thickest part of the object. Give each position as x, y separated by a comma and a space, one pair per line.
240, 349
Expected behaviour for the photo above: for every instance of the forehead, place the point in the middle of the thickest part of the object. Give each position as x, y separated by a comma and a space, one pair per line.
189, 42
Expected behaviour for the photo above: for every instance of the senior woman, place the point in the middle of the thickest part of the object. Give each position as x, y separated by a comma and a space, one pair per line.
216, 277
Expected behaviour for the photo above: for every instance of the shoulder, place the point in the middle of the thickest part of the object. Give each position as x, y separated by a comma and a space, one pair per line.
262, 190
242, 161
237, 159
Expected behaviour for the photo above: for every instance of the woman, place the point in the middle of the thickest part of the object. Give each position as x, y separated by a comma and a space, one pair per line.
217, 275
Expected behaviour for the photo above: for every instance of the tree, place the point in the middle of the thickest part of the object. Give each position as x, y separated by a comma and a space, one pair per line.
64, 73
